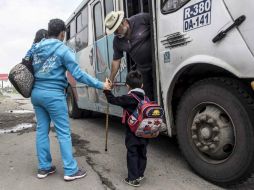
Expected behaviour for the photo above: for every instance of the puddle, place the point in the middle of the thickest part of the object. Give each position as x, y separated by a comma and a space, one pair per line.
19, 111
18, 128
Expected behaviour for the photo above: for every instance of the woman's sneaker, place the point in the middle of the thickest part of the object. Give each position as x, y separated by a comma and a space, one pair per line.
44, 173
134, 183
79, 174
141, 178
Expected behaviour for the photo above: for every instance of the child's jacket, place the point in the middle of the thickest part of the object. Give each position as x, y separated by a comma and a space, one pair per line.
127, 102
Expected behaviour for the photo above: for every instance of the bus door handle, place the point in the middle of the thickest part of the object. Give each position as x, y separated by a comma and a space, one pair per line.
223, 33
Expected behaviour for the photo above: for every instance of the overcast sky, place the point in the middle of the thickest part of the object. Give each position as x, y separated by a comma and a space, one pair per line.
19, 21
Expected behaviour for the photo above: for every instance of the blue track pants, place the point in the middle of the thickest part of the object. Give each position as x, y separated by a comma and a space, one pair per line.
52, 106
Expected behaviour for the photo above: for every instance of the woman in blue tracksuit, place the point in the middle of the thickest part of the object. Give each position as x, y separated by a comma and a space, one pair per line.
51, 59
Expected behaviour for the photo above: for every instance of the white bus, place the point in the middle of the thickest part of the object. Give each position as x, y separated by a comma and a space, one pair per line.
203, 57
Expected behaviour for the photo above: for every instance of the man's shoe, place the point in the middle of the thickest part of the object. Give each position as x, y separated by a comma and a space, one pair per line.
44, 173
79, 174
140, 178
134, 183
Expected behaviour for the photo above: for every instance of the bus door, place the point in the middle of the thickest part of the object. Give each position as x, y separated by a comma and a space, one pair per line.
100, 49
108, 7
133, 7
103, 53
120, 78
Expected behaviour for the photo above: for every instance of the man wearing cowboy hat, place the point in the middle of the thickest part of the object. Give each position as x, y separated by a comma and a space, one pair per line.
132, 35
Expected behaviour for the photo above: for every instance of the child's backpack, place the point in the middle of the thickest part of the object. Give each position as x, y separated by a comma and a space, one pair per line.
146, 120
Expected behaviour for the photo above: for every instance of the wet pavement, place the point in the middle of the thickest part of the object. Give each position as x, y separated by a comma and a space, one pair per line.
18, 128
13, 117
166, 167
18, 161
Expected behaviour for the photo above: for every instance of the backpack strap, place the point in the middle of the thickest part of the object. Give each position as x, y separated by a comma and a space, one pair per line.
125, 112
147, 99
138, 99
125, 115
135, 96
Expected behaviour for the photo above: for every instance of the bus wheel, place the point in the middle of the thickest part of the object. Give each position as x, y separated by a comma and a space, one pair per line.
73, 110
215, 130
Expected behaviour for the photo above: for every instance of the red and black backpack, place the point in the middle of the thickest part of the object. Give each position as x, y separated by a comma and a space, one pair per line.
147, 118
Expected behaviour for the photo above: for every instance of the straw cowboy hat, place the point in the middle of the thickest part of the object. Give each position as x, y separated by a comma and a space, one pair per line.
113, 20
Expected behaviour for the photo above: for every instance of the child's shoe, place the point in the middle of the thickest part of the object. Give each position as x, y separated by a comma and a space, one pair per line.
134, 183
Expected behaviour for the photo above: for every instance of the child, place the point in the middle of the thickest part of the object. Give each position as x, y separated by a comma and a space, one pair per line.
136, 146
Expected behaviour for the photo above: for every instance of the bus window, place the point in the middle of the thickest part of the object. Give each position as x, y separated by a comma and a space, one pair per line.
79, 23
98, 21
82, 20
85, 17
81, 39
68, 35
82, 30
168, 6
73, 28
109, 6
71, 43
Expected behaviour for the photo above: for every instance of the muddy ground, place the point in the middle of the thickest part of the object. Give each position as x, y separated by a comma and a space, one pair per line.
13, 113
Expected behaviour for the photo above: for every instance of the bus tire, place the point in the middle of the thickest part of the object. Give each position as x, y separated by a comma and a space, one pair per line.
73, 110
215, 130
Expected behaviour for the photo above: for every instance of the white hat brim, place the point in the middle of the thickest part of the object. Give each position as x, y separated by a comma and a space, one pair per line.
119, 21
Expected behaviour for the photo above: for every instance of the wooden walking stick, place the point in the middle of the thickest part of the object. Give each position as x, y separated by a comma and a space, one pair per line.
106, 142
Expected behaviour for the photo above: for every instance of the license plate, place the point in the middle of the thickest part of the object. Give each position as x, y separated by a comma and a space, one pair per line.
197, 15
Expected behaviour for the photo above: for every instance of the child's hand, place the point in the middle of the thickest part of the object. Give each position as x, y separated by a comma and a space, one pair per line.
110, 83
107, 84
